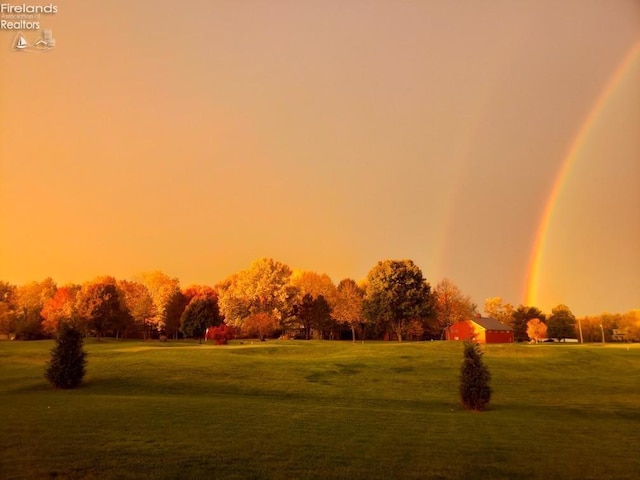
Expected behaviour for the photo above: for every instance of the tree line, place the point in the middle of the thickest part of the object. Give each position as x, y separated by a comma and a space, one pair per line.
269, 299
530, 324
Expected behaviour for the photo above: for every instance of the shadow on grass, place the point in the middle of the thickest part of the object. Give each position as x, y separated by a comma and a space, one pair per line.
566, 413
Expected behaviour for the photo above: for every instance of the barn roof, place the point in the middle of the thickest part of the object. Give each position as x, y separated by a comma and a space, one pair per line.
491, 324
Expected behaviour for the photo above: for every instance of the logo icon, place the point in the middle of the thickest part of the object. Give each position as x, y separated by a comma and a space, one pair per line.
20, 42
43, 44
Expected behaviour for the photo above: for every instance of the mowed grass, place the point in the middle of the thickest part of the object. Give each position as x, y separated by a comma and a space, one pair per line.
320, 410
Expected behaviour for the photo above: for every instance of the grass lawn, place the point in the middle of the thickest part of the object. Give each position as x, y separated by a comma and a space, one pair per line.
320, 410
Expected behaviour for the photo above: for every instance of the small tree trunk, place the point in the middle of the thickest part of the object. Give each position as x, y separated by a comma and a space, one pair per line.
398, 329
353, 333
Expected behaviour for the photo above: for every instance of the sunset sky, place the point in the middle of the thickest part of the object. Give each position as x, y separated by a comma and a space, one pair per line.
196, 136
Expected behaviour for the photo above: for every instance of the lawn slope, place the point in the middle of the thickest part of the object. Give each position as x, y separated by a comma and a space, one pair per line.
320, 410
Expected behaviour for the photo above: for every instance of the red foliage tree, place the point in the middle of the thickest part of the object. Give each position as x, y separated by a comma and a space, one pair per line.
221, 334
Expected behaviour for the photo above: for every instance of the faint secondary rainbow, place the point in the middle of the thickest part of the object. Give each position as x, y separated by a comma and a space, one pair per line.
537, 251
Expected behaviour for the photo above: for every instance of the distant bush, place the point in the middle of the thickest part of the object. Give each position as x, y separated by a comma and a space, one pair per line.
66, 368
221, 334
474, 379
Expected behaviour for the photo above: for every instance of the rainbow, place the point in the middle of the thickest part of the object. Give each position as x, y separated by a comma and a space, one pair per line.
537, 250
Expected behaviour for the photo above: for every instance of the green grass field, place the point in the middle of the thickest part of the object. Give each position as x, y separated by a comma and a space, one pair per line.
321, 410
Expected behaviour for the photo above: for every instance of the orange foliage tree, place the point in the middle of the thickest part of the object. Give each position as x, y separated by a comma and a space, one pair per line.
29, 301
451, 305
536, 330
163, 291
261, 288
59, 308
260, 325
348, 307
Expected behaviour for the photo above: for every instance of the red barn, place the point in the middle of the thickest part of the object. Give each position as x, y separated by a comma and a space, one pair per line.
483, 329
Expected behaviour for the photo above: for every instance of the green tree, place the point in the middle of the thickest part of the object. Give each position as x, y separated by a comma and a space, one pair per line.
67, 366
561, 323
175, 309
519, 320
475, 391
314, 313
201, 313
396, 293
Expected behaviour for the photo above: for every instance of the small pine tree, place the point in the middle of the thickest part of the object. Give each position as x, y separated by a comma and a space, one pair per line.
68, 360
474, 379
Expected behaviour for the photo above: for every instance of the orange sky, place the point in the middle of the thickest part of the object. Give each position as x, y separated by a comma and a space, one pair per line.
194, 137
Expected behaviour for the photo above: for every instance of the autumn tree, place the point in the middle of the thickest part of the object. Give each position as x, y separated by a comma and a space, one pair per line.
414, 329
60, 308
536, 329
100, 306
7, 308
348, 306
262, 288
519, 321
502, 312
590, 326
396, 293
29, 301
315, 284
629, 323
561, 323
451, 305
625, 325
163, 290
199, 290
260, 325
221, 334
321, 290
139, 305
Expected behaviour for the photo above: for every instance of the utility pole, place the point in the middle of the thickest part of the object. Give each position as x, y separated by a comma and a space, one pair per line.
580, 328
